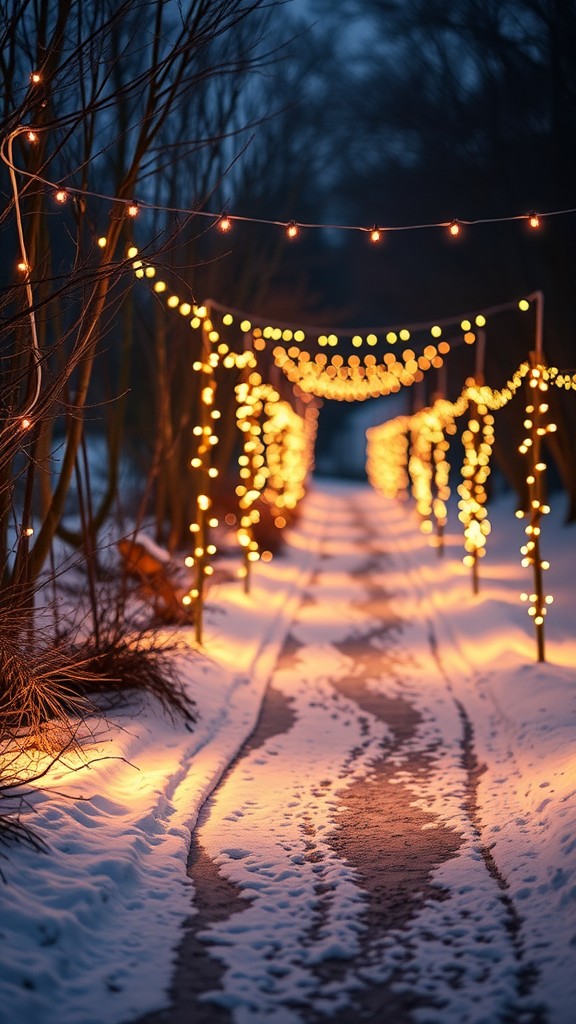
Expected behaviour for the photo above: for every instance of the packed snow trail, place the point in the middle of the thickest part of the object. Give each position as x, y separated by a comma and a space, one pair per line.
339, 868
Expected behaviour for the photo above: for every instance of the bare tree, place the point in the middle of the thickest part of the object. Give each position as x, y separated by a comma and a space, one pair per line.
101, 102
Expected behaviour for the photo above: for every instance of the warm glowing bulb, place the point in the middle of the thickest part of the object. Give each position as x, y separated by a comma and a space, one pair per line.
25, 423
534, 220
61, 195
22, 266
523, 305
35, 77
32, 136
292, 229
132, 209
376, 234
224, 224
455, 228
102, 241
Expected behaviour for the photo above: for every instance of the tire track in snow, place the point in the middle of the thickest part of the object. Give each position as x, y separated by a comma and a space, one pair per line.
217, 898
527, 973
519, 1008
380, 832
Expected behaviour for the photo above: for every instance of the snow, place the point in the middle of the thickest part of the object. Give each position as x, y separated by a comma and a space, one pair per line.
90, 928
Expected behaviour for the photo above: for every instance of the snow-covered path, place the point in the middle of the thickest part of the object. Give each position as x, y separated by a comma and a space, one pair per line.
394, 840
341, 869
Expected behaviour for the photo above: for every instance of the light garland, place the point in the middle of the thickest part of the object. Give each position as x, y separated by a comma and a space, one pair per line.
287, 449
467, 325
387, 457
478, 441
536, 429
564, 379
289, 439
428, 466
356, 379
420, 466
394, 465
250, 397
204, 549
224, 220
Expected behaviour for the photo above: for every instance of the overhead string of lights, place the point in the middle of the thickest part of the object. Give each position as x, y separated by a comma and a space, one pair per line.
224, 220
300, 352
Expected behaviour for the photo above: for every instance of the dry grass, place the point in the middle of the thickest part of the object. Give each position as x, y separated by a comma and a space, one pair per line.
51, 684
119, 667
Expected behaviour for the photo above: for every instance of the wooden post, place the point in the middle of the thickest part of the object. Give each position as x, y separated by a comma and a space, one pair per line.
535, 499
205, 448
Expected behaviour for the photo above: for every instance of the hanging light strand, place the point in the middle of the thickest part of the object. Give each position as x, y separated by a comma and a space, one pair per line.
537, 426
223, 221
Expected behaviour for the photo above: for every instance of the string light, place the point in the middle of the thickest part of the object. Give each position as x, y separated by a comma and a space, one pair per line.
202, 463
394, 465
292, 229
289, 443
425, 429
252, 469
353, 379
536, 429
132, 209
224, 221
375, 234
35, 77
478, 441
387, 457
61, 195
